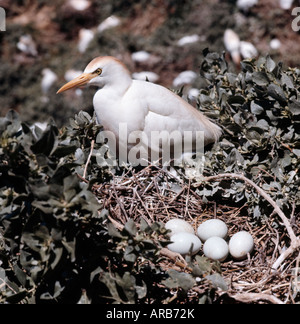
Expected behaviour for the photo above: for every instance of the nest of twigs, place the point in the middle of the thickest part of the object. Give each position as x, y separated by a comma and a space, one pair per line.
268, 275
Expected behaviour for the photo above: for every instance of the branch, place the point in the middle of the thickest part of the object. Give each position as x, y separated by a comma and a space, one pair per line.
256, 297
89, 159
278, 211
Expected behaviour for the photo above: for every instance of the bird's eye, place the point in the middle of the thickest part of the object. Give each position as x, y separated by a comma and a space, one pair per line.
98, 71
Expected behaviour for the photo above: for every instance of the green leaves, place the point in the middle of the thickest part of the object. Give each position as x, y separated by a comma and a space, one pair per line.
47, 143
44, 207
259, 110
57, 240
179, 279
270, 64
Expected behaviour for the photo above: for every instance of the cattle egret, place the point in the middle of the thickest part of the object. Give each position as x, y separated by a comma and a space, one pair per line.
248, 50
245, 5
27, 45
286, 4
79, 5
275, 44
193, 94
110, 22
49, 78
140, 105
187, 40
72, 74
186, 77
232, 43
141, 56
85, 38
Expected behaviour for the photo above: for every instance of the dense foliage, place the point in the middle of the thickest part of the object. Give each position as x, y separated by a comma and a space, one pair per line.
259, 110
57, 243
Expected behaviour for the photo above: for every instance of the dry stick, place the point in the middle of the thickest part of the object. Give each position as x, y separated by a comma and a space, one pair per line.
117, 225
251, 297
89, 159
175, 257
295, 242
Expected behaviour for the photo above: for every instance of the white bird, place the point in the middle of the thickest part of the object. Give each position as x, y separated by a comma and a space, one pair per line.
184, 78
27, 45
79, 5
141, 56
187, 40
232, 43
245, 5
49, 78
275, 44
108, 23
286, 4
193, 94
72, 74
86, 36
248, 50
141, 106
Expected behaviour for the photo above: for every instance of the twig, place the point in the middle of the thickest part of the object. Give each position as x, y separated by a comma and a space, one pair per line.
176, 258
187, 201
120, 204
142, 203
81, 178
283, 256
119, 226
89, 159
255, 297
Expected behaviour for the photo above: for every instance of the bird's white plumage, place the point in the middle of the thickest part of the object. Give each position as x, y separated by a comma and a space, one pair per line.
142, 106
145, 75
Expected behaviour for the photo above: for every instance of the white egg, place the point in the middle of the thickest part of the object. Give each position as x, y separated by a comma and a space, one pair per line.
216, 249
178, 226
240, 245
211, 228
183, 242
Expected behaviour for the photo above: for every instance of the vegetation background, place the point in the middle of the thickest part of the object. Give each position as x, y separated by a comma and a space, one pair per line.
154, 26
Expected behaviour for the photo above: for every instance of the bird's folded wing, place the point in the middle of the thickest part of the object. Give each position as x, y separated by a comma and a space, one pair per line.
167, 111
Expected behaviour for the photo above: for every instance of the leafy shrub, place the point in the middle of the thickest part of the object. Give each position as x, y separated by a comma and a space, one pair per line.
259, 110
57, 243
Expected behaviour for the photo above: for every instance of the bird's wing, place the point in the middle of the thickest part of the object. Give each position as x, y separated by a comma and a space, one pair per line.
169, 112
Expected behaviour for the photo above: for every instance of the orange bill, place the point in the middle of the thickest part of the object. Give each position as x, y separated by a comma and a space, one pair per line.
77, 82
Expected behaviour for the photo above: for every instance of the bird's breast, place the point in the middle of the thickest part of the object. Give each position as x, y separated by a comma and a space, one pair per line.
113, 110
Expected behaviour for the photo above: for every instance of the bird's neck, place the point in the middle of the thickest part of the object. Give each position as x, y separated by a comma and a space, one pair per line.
119, 80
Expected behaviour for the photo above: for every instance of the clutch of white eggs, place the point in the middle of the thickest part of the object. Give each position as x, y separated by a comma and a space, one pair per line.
213, 234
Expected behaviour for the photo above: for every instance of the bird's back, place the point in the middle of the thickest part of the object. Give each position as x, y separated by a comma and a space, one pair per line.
167, 111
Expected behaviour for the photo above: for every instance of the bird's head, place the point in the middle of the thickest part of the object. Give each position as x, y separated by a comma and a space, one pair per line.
101, 71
